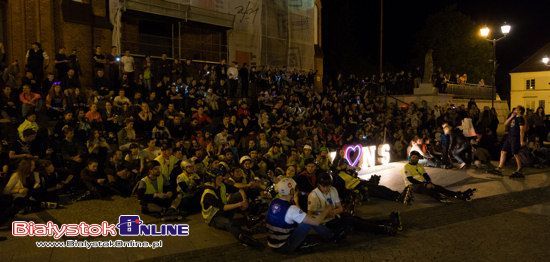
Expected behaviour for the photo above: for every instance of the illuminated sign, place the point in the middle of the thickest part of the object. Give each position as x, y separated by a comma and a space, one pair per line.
353, 152
365, 156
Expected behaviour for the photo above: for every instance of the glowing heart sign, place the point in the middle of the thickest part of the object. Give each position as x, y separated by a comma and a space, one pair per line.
367, 156
356, 150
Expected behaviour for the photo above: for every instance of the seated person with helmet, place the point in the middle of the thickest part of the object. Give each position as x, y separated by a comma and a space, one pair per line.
188, 183
153, 193
347, 181
372, 188
288, 225
218, 209
422, 183
338, 220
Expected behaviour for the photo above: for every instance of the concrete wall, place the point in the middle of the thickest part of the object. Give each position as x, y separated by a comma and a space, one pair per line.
530, 98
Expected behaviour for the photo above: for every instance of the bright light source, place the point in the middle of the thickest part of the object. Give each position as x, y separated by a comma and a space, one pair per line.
505, 29
545, 60
484, 32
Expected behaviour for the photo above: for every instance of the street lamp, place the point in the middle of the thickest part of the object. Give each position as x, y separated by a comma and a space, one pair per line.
545, 60
485, 32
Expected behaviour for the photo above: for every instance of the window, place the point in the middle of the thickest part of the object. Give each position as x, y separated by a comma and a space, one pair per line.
530, 84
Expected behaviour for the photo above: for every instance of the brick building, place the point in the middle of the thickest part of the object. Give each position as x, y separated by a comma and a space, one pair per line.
262, 32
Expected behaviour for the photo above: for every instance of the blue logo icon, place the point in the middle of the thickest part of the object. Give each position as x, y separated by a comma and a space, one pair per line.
132, 225
128, 225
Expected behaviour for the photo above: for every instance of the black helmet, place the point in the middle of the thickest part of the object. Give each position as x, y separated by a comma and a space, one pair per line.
325, 179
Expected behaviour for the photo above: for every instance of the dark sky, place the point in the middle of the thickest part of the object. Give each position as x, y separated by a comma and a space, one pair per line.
352, 26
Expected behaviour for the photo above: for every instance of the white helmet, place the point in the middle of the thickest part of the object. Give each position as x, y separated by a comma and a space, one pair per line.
244, 158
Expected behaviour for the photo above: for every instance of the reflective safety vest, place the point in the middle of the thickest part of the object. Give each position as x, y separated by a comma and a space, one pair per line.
150, 189
279, 229
187, 179
350, 181
166, 166
210, 212
415, 171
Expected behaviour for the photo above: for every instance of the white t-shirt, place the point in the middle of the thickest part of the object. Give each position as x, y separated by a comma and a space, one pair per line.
294, 215
232, 73
317, 200
128, 63
119, 101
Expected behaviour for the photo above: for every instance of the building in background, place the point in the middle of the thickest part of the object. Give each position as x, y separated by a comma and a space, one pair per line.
530, 81
262, 32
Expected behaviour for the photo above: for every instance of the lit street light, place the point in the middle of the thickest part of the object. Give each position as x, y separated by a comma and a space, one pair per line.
545, 60
485, 32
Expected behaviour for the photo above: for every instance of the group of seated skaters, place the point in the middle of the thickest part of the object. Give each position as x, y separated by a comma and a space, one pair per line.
227, 196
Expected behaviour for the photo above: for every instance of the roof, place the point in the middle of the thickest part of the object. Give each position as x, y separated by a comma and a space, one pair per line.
534, 62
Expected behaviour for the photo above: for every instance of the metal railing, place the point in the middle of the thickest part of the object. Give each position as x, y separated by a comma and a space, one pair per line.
469, 91
398, 100
156, 45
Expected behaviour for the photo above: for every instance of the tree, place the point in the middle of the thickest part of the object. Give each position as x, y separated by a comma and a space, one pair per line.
457, 46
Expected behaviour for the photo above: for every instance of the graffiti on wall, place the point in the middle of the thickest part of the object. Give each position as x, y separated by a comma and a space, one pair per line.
247, 12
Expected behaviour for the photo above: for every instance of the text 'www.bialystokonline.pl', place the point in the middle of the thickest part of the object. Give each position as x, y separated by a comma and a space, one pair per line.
100, 244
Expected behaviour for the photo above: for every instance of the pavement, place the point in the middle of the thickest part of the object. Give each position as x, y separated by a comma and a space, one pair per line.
507, 220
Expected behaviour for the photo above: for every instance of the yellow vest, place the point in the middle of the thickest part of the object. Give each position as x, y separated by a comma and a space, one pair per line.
208, 214
351, 182
150, 189
187, 179
417, 172
166, 166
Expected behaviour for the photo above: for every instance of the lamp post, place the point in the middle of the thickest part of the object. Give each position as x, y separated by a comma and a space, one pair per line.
485, 32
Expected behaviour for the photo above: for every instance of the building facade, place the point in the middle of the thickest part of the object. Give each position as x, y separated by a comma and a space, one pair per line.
530, 82
262, 32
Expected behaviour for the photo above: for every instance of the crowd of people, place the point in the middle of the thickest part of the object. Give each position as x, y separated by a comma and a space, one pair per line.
225, 140
402, 82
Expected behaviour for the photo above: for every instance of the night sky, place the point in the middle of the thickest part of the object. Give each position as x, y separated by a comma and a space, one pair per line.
352, 27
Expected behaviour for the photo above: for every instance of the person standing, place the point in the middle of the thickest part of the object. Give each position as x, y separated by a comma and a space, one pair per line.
99, 59
164, 66
494, 121
221, 70
3, 57
244, 76
233, 76
75, 64
128, 65
37, 60
514, 140
539, 127
61, 63
113, 62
